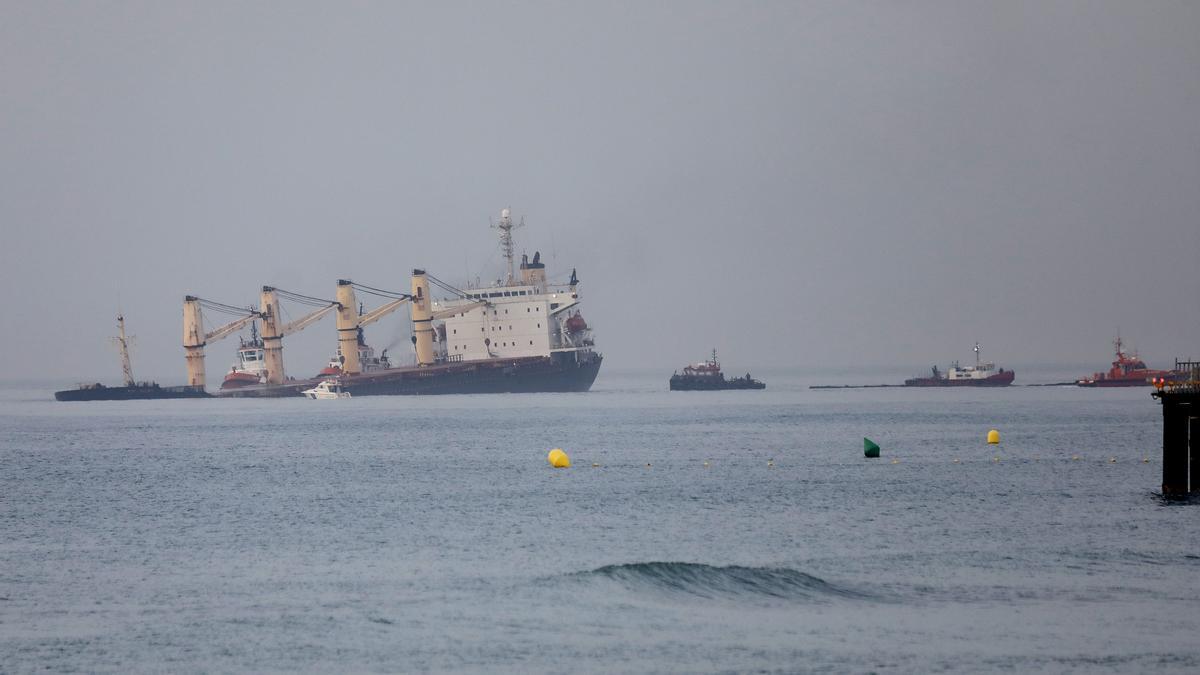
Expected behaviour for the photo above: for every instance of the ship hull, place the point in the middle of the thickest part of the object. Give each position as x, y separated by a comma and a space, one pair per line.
560, 372
684, 383
237, 380
135, 393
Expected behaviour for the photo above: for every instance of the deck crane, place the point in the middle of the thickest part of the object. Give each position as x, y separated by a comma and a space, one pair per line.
195, 338
349, 321
272, 332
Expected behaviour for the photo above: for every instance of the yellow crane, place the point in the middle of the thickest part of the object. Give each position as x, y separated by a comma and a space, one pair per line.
195, 338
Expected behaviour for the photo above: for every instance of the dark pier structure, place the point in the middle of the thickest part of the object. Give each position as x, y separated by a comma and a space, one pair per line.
1180, 400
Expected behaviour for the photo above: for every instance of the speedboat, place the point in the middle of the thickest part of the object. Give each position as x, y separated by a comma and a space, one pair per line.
327, 389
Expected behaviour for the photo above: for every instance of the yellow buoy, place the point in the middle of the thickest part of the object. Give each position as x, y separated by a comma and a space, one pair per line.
1074, 456
595, 464
956, 460
1112, 460
895, 461
995, 459
706, 464
1145, 460
558, 459
993, 437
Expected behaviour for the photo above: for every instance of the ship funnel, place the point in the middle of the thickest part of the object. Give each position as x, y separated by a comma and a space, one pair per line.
533, 273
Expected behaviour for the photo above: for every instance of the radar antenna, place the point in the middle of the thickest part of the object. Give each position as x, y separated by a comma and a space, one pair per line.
506, 226
977, 355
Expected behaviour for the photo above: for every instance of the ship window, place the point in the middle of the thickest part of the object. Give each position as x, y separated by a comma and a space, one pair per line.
554, 305
531, 342
456, 331
539, 325
506, 311
528, 310
510, 327
481, 329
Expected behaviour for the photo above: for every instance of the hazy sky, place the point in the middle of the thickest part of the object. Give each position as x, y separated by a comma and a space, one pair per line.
795, 183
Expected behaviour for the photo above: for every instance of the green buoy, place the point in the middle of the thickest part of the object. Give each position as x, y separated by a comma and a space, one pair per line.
870, 449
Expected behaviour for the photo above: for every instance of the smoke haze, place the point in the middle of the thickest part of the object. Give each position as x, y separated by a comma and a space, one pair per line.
793, 183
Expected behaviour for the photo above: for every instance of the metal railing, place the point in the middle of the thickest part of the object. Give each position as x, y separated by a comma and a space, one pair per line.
1185, 378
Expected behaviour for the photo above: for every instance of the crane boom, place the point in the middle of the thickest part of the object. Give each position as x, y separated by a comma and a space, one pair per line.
380, 312
304, 321
446, 313
231, 327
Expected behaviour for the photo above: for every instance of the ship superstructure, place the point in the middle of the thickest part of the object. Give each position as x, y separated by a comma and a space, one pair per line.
529, 318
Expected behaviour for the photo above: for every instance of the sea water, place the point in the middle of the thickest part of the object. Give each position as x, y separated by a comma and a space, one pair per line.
694, 532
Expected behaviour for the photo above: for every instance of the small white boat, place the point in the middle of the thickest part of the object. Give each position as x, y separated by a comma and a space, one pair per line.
327, 389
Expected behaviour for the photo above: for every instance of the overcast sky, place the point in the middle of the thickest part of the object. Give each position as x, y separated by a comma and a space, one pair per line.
796, 183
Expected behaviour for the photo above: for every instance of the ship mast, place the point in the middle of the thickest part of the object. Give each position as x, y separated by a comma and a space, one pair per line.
506, 226
123, 344
977, 355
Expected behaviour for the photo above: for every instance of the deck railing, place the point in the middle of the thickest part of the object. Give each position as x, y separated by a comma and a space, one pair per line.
1186, 378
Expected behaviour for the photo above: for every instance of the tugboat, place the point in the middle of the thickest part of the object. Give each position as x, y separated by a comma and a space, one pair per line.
1126, 371
707, 376
979, 375
367, 360
132, 390
251, 366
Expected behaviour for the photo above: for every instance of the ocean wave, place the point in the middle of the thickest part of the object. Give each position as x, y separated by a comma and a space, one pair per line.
728, 582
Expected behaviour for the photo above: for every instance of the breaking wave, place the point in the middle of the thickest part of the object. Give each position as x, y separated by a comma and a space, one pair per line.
729, 582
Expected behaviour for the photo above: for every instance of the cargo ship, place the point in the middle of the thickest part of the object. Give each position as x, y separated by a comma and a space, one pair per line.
520, 334
1127, 371
707, 376
979, 375
132, 390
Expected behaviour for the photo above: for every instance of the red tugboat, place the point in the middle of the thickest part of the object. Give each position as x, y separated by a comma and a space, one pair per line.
1127, 371
251, 365
366, 359
978, 375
